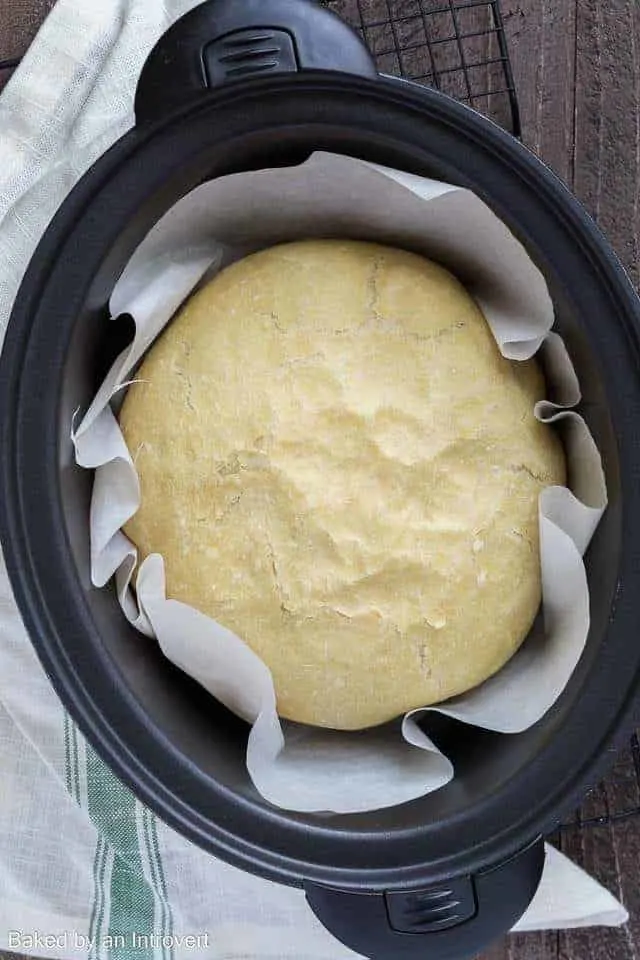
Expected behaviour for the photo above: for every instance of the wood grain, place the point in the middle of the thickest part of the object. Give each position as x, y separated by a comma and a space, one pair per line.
577, 71
542, 42
19, 23
607, 136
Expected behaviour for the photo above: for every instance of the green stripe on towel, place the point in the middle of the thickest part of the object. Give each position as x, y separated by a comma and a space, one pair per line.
157, 878
96, 923
131, 916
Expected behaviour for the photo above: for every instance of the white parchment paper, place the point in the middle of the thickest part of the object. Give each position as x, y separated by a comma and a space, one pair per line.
291, 765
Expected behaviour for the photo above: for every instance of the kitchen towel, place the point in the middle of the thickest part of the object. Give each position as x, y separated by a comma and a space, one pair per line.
85, 869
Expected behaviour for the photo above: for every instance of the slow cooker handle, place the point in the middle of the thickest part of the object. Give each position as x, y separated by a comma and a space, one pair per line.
224, 41
452, 920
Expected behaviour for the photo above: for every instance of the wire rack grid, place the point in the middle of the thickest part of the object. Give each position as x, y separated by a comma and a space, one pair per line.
457, 46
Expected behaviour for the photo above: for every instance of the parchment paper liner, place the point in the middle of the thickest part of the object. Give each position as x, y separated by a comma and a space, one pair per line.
295, 766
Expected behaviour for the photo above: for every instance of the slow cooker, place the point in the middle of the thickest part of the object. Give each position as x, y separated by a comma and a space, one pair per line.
244, 85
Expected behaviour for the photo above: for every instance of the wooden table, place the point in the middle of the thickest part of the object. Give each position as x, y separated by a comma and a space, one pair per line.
577, 73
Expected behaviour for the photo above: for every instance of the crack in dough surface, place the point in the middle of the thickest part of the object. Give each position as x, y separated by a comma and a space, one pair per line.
337, 464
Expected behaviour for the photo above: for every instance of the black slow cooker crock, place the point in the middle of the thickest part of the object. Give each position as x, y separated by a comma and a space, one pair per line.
235, 86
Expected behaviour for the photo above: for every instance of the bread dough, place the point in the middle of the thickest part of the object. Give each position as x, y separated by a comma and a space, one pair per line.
337, 464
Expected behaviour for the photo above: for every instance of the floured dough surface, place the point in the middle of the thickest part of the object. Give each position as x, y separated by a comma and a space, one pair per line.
337, 464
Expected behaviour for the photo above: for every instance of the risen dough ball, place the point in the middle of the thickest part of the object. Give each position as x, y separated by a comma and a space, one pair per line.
338, 465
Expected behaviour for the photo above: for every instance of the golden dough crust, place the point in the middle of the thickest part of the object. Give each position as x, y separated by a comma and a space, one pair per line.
337, 464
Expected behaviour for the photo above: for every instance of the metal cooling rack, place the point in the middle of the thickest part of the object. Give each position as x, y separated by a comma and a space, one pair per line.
456, 46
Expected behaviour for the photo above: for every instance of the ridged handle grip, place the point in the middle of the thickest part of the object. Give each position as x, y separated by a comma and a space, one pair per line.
451, 920
223, 41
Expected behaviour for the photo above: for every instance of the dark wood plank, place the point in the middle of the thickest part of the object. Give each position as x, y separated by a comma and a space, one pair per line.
622, 788
542, 42
606, 178
607, 164
626, 844
533, 946
578, 76
19, 23
525, 946
594, 850
610, 853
